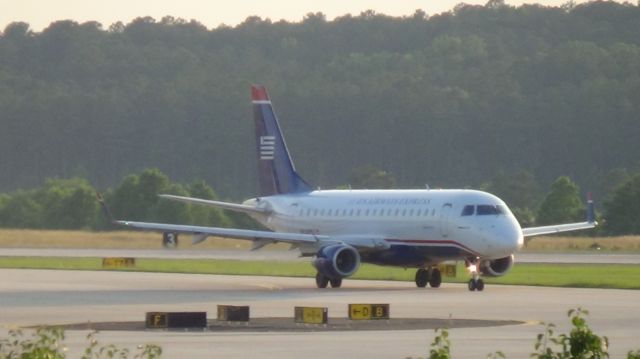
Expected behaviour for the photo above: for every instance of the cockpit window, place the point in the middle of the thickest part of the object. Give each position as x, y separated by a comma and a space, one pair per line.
487, 209
468, 210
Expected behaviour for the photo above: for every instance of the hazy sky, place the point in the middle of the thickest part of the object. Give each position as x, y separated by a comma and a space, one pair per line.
40, 13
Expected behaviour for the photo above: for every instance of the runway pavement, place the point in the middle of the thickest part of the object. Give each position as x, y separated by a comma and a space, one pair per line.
36, 297
523, 257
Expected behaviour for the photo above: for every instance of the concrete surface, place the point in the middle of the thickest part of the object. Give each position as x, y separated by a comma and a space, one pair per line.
36, 297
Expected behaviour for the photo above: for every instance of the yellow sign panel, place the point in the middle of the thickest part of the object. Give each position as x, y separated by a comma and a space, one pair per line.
118, 262
448, 270
311, 315
232, 313
156, 320
368, 311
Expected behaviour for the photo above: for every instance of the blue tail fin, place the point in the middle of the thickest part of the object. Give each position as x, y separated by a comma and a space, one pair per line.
276, 171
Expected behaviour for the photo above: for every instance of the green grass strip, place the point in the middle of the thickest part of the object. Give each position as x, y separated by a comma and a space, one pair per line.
556, 275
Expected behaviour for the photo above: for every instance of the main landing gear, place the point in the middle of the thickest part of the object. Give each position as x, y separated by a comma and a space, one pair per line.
475, 283
432, 276
322, 281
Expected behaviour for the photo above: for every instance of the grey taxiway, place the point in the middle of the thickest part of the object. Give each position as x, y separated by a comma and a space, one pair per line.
52, 297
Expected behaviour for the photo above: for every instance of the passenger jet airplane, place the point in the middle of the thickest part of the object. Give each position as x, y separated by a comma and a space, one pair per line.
343, 228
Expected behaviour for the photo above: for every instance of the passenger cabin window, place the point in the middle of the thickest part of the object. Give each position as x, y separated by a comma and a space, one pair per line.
468, 210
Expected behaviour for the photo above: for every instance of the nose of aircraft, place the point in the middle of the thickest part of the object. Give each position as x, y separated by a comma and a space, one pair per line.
508, 236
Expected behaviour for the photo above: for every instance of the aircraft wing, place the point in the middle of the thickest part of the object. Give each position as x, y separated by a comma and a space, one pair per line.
293, 238
537, 231
259, 238
224, 205
567, 227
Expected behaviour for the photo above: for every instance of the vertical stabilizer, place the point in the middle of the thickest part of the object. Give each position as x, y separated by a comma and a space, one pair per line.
275, 167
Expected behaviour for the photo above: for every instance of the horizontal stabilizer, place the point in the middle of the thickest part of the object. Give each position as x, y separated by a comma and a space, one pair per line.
224, 205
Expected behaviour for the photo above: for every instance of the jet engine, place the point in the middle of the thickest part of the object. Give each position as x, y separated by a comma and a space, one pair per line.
496, 267
337, 261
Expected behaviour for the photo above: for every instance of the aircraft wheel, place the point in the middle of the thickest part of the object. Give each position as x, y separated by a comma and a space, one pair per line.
335, 283
321, 280
422, 277
479, 285
435, 279
471, 285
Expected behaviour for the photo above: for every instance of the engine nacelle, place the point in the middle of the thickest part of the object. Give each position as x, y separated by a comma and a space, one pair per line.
496, 267
337, 261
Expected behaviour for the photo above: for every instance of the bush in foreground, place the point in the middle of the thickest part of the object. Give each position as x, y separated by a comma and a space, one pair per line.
580, 343
47, 343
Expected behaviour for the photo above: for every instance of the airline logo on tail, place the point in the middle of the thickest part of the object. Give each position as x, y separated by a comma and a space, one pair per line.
276, 172
267, 147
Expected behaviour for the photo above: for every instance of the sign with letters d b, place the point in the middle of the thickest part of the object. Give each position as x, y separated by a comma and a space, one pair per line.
368, 311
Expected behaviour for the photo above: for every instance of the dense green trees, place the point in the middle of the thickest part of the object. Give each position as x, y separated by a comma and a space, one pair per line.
562, 204
451, 100
370, 177
136, 198
623, 208
510, 97
57, 204
71, 204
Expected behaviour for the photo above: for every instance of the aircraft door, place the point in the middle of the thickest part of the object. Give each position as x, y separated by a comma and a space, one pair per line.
445, 220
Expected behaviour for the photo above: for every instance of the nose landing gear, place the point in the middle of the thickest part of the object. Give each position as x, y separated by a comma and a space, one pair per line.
475, 283
431, 276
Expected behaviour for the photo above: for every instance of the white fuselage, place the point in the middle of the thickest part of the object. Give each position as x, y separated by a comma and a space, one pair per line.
435, 224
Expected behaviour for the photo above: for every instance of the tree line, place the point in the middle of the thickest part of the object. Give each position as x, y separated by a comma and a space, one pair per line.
466, 98
71, 203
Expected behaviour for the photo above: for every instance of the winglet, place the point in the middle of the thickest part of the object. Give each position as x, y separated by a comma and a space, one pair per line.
591, 212
105, 209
